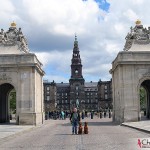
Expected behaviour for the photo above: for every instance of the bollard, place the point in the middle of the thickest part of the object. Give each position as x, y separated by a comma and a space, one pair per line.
109, 114
91, 115
100, 114
82, 115
104, 114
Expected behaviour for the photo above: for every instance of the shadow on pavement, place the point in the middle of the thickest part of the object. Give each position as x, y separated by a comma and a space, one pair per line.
64, 134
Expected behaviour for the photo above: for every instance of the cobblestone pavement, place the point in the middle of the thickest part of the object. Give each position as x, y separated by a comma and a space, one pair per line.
56, 135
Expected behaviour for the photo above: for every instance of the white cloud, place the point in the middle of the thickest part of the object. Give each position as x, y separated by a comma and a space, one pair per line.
50, 26
65, 17
131, 15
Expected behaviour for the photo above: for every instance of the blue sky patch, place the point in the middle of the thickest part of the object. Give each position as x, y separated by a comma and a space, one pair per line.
103, 4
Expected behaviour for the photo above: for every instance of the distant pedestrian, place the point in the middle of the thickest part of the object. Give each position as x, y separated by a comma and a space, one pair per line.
91, 114
105, 113
86, 114
82, 115
62, 115
74, 118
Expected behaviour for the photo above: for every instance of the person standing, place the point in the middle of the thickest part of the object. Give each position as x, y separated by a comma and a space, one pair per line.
74, 118
82, 115
62, 115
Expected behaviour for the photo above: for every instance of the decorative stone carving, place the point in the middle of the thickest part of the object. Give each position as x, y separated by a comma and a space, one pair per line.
146, 74
14, 37
137, 35
4, 77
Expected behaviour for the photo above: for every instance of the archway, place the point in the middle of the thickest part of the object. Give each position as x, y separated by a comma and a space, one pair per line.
145, 99
5, 96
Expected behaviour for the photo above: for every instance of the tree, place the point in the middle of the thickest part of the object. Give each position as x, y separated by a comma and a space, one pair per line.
13, 101
142, 98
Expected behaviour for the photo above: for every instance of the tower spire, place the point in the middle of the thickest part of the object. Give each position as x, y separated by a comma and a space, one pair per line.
75, 37
76, 66
75, 41
76, 81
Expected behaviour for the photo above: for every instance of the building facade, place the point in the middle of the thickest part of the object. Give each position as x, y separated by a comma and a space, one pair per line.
105, 94
20, 72
63, 96
78, 93
49, 96
131, 71
91, 96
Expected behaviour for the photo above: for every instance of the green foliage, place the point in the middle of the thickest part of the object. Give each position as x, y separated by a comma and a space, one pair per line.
142, 98
13, 101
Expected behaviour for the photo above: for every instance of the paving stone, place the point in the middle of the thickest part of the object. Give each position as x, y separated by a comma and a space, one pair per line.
56, 135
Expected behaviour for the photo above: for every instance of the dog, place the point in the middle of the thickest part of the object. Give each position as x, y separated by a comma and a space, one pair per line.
80, 128
86, 128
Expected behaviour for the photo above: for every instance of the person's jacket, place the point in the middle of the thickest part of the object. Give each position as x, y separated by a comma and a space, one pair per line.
77, 117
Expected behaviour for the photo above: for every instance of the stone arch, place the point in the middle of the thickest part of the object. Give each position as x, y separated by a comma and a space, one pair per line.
144, 82
5, 89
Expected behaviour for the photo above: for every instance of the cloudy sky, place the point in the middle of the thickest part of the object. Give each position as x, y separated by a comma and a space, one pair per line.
50, 27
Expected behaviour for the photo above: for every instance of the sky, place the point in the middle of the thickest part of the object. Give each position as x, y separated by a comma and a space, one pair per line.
50, 27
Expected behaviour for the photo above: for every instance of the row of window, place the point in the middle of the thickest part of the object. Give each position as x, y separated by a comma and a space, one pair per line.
105, 96
91, 93
62, 94
77, 88
88, 101
92, 89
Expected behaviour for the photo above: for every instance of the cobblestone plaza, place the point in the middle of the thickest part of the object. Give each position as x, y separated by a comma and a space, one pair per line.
56, 135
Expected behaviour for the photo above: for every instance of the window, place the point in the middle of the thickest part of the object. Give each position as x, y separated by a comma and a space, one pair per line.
48, 98
47, 92
47, 88
88, 101
87, 93
106, 96
77, 88
105, 87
